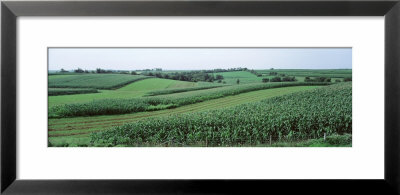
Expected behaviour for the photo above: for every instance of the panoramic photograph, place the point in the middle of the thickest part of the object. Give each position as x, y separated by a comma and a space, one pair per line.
199, 97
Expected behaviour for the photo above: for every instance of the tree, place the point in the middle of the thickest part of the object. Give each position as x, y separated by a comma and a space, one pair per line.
347, 79
158, 75
79, 70
219, 77
276, 79
265, 80
337, 81
237, 81
99, 70
319, 79
133, 73
328, 80
307, 79
288, 78
62, 70
273, 73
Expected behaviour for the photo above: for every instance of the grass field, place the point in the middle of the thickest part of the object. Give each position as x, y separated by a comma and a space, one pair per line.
302, 73
247, 77
96, 81
243, 76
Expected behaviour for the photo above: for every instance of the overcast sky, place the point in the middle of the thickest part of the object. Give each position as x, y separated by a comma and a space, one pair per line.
199, 58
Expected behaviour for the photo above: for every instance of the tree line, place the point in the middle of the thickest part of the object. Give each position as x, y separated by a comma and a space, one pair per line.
193, 76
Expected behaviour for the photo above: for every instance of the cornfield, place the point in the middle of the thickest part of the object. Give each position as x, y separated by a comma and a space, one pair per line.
70, 91
123, 106
297, 116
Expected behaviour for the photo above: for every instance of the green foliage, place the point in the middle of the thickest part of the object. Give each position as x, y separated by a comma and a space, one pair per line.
123, 106
70, 91
273, 73
63, 70
344, 140
193, 76
339, 139
180, 90
331, 73
102, 71
265, 80
96, 81
245, 77
276, 79
297, 116
219, 77
79, 70
288, 78
82, 126
317, 79
347, 79
132, 90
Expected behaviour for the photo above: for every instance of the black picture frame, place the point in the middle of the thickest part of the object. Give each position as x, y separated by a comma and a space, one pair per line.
11, 10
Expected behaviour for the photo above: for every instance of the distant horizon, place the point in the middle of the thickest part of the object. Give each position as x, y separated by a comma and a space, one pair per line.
199, 58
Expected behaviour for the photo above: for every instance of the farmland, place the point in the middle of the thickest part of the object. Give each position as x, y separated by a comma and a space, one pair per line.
243, 76
135, 89
283, 117
137, 110
85, 125
336, 74
96, 81
70, 91
124, 106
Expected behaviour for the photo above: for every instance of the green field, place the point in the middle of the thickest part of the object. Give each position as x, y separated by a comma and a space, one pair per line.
125, 106
81, 126
70, 91
302, 73
124, 102
135, 89
296, 116
243, 76
96, 81
246, 77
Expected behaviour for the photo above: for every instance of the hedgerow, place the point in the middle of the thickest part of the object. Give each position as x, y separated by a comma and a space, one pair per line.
180, 90
70, 91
